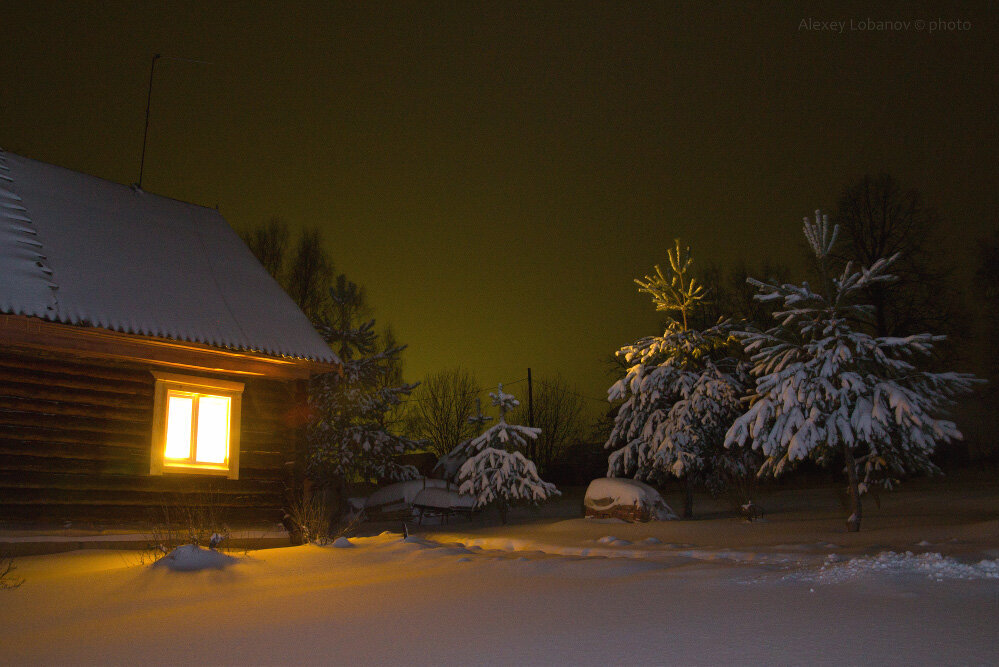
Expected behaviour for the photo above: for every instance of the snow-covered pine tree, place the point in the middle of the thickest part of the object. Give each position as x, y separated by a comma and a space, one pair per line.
681, 392
496, 472
351, 437
828, 391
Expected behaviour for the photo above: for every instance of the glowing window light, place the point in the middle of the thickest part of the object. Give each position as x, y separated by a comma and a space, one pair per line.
213, 429
178, 434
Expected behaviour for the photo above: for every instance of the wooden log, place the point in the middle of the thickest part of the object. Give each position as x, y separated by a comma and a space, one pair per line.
70, 464
173, 482
152, 499
74, 423
99, 397
118, 515
63, 409
34, 435
136, 376
75, 382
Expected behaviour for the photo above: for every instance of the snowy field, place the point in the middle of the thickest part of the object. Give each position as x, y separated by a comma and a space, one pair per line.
550, 592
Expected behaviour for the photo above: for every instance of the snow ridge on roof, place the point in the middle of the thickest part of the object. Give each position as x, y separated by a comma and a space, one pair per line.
26, 286
123, 259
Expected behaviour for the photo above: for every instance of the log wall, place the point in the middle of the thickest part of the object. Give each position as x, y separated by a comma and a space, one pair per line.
75, 443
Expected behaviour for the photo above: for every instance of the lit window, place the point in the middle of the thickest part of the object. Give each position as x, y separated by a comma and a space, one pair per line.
195, 425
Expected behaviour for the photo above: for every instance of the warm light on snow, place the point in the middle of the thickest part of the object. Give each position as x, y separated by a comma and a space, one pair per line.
178, 435
544, 594
213, 429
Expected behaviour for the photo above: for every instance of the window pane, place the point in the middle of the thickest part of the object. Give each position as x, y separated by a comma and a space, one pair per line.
178, 434
213, 429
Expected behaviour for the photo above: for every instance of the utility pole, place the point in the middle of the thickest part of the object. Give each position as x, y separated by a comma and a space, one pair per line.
530, 400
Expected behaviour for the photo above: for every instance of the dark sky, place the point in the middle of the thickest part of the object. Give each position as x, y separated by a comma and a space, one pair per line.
497, 174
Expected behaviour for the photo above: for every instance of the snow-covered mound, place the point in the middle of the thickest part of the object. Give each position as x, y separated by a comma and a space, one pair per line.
628, 499
342, 543
192, 558
443, 499
399, 496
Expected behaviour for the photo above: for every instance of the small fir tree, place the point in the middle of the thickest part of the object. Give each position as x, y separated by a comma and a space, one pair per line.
496, 472
828, 391
352, 437
681, 391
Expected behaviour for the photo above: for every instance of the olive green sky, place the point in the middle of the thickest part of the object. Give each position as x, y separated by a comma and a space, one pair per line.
497, 174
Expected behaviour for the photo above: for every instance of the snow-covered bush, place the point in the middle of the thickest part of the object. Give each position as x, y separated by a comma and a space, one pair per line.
496, 472
199, 519
681, 392
829, 391
192, 558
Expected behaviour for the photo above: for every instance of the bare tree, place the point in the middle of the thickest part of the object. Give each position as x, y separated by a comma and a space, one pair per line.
558, 411
310, 274
729, 295
304, 270
879, 219
269, 243
442, 405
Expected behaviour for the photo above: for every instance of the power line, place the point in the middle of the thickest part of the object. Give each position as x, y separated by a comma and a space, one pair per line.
471, 393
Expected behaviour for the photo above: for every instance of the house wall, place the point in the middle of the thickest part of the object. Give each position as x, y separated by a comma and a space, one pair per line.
75, 443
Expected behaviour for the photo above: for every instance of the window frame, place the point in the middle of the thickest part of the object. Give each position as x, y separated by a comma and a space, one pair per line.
190, 384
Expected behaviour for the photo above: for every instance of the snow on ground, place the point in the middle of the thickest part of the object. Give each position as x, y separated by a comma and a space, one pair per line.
553, 595
931, 565
918, 585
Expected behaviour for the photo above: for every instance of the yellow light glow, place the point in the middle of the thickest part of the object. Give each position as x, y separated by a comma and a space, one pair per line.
213, 429
178, 434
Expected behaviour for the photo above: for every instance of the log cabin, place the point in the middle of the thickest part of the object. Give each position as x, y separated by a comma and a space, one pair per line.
147, 360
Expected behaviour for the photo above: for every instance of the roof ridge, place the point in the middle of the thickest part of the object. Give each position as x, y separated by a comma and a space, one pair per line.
133, 187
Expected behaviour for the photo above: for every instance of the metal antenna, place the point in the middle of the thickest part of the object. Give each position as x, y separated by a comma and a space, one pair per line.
145, 133
149, 99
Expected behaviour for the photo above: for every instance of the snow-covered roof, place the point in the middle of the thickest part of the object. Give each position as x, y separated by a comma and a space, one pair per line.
82, 250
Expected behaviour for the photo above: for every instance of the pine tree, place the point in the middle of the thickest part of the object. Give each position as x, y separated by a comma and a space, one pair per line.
828, 391
496, 472
681, 391
351, 437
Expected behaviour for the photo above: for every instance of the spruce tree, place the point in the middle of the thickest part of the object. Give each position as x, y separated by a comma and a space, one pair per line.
826, 390
351, 438
496, 471
681, 391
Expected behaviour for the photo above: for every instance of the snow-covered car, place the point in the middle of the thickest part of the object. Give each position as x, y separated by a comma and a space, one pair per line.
626, 499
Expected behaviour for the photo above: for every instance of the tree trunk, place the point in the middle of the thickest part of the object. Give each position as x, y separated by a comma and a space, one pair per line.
853, 488
688, 500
